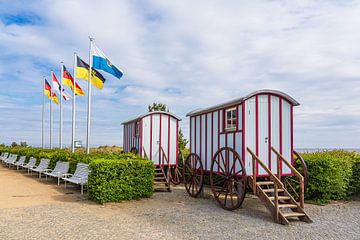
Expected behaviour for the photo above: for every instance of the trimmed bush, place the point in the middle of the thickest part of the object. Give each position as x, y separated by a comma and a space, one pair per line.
331, 175
121, 179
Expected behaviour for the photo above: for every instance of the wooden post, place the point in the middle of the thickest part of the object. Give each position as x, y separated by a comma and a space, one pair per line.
278, 167
302, 193
254, 174
276, 200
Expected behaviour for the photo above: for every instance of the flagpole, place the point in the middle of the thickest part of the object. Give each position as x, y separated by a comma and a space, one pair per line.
61, 89
42, 115
51, 96
73, 106
89, 98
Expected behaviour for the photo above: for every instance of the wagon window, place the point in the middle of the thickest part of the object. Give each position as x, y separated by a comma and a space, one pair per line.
230, 119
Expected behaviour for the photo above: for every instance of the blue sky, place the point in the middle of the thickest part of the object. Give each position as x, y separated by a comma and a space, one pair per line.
187, 54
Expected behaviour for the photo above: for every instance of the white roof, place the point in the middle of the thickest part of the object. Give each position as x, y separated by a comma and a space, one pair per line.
242, 99
150, 113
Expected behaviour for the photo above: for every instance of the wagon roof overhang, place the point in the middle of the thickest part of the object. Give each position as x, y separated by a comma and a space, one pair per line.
150, 113
242, 99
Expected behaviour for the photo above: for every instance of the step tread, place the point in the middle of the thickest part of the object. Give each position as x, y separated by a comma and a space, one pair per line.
280, 197
265, 183
285, 205
293, 214
271, 190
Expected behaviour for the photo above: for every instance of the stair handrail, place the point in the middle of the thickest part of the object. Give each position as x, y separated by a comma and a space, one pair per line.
164, 157
296, 173
271, 174
277, 181
145, 155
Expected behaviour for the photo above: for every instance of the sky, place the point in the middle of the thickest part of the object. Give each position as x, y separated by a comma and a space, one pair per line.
186, 54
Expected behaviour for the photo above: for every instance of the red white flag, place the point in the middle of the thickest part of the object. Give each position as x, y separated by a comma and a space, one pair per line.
55, 82
65, 95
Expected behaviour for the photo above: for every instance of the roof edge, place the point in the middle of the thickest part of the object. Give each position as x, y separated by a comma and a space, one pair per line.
150, 113
242, 99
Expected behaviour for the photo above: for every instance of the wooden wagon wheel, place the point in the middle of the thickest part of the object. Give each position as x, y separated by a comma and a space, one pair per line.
134, 150
292, 183
176, 176
193, 175
228, 178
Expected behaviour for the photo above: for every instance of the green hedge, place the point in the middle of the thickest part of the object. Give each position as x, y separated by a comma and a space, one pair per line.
122, 179
333, 175
114, 176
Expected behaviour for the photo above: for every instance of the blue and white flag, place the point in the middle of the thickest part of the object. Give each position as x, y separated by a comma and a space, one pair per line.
102, 62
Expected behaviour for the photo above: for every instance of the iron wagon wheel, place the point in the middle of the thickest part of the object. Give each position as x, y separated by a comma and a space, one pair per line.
228, 178
134, 150
193, 175
176, 176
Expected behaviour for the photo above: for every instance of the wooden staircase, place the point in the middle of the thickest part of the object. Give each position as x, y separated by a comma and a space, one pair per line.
161, 181
274, 195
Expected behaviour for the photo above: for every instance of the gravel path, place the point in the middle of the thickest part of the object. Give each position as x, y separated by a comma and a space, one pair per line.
165, 216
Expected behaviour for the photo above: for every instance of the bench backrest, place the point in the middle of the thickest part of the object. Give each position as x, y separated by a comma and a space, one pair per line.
61, 167
13, 158
32, 162
44, 163
82, 171
22, 159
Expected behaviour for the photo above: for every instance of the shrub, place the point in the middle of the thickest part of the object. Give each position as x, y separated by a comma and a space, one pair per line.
330, 175
125, 178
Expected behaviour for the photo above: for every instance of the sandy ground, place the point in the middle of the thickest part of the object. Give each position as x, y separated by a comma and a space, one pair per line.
32, 208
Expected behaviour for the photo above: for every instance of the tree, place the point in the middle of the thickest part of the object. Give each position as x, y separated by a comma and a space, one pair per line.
162, 107
23, 144
182, 140
14, 144
158, 107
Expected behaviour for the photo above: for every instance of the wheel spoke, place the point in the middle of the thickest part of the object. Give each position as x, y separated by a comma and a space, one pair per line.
219, 166
218, 181
222, 157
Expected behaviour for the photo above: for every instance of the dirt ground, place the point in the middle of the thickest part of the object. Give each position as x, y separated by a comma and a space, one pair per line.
33, 208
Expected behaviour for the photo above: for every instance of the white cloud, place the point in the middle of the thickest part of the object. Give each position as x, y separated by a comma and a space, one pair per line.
192, 54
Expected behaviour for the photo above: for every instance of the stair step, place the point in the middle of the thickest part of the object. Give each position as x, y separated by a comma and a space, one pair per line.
160, 179
271, 190
158, 174
265, 183
288, 206
280, 198
293, 214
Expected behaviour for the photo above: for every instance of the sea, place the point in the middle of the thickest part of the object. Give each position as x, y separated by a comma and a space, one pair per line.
310, 150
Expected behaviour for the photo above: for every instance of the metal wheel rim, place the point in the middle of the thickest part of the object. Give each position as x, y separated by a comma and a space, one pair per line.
193, 175
228, 184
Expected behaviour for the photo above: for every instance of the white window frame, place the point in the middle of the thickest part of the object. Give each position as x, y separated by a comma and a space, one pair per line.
232, 128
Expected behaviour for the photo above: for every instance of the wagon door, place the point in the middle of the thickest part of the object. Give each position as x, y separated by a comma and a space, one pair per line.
257, 131
263, 132
155, 138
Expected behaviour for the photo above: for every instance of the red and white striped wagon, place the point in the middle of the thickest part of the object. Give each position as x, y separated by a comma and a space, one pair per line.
153, 135
246, 139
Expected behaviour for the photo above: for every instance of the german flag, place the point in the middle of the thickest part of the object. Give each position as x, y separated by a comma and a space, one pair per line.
55, 98
47, 89
82, 71
69, 81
